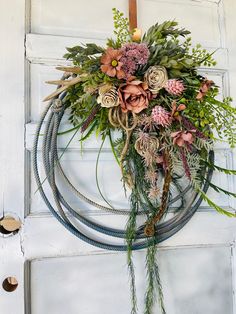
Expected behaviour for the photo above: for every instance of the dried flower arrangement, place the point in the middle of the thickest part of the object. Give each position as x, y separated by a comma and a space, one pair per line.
168, 117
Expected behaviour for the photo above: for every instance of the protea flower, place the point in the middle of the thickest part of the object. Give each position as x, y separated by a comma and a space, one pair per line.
174, 87
161, 117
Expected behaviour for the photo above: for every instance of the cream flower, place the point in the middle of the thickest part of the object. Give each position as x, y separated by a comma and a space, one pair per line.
146, 143
156, 78
108, 96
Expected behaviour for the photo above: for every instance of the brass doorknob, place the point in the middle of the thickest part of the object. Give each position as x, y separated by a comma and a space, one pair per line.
9, 224
10, 284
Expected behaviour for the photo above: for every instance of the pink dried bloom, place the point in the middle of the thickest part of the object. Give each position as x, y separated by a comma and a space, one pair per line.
176, 110
151, 176
149, 159
161, 117
134, 54
146, 122
160, 159
154, 192
174, 87
182, 138
204, 88
144, 53
188, 125
143, 136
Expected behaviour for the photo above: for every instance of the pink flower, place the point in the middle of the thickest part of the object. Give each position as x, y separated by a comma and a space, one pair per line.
134, 54
160, 159
154, 192
134, 96
204, 88
181, 138
111, 64
174, 87
161, 117
176, 110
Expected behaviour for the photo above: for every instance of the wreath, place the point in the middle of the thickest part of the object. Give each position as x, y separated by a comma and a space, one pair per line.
161, 117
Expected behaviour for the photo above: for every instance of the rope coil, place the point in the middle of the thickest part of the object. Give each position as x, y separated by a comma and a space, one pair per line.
51, 163
57, 105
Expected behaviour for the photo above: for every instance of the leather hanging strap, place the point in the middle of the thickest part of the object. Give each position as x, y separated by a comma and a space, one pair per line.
133, 14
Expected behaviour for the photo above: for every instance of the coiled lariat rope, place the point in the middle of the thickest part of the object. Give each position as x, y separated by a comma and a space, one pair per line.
51, 163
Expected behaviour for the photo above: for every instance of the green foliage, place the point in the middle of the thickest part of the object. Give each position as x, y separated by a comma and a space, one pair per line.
219, 189
159, 32
167, 53
80, 105
153, 280
85, 56
118, 144
202, 56
197, 186
130, 238
170, 47
226, 119
215, 206
121, 30
215, 167
209, 114
113, 147
176, 55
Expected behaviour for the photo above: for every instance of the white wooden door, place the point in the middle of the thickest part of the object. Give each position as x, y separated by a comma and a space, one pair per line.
56, 272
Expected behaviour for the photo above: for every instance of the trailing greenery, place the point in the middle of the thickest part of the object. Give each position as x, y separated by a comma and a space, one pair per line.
130, 238
219, 190
215, 167
154, 286
96, 171
215, 206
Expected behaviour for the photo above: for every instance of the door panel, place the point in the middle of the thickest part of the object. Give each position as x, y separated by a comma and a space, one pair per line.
63, 274
195, 280
189, 287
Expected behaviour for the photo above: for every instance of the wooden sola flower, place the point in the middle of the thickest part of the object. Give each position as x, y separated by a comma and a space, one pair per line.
159, 115
156, 77
134, 96
111, 64
108, 96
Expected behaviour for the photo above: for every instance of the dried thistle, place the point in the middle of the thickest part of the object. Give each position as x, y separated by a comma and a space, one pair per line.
89, 119
146, 144
185, 163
